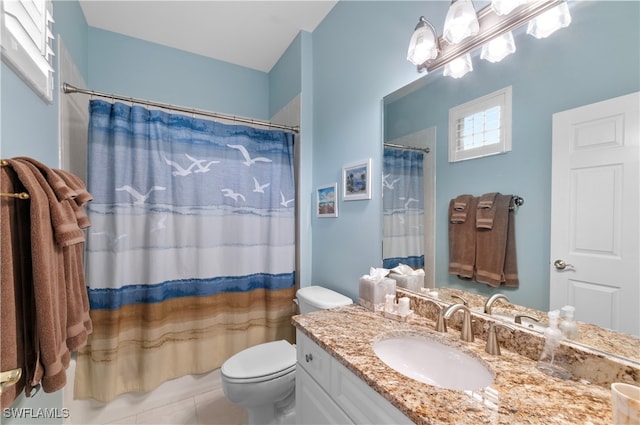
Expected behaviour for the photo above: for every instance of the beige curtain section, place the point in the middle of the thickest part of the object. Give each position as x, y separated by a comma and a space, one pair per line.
135, 349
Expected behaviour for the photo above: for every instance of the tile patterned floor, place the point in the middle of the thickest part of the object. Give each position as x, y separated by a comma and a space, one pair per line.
211, 408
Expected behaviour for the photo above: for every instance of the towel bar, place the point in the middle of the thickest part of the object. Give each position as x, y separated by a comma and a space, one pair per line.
517, 201
19, 195
10, 377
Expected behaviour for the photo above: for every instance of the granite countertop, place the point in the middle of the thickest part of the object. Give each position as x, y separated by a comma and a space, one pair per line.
520, 393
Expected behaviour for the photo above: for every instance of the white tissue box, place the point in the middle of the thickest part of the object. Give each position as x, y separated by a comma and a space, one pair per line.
371, 292
412, 282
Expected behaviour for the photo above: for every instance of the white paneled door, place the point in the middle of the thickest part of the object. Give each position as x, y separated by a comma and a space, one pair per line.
595, 254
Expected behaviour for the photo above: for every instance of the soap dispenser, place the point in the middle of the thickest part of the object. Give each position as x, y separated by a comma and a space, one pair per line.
569, 327
549, 362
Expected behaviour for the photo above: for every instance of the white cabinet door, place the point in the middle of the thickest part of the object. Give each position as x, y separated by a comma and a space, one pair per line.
313, 405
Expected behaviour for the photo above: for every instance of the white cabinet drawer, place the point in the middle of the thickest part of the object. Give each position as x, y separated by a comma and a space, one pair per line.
314, 360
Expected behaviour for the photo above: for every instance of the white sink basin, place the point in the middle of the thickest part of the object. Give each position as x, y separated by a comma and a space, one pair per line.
429, 361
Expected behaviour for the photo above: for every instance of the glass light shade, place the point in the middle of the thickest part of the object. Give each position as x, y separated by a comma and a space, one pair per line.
504, 7
461, 22
550, 21
498, 48
424, 43
458, 67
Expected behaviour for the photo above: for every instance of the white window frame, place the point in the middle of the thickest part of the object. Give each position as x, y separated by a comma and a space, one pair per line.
501, 98
26, 42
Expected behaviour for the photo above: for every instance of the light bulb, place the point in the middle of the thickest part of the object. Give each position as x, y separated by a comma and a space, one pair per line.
498, 48
424, 43
504, 7
550, 21
458, 67
461, 22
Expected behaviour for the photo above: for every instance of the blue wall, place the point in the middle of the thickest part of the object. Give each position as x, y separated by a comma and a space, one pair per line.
29, 127
133, 67
547, 76
359, 55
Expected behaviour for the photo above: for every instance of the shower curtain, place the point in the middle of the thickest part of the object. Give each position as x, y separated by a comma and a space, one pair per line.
403, 208
190, 257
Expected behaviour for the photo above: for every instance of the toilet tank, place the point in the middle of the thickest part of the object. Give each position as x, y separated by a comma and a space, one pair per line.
312, 298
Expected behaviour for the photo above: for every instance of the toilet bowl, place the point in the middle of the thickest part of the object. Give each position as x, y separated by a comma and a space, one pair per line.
262, 378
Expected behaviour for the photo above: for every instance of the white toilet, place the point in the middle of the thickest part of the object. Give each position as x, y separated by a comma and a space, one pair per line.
262, 378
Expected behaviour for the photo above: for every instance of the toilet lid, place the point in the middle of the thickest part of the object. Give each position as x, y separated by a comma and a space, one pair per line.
261, 360
322, 298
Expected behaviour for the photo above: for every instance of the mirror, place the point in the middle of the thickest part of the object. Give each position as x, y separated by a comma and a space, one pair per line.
547, 76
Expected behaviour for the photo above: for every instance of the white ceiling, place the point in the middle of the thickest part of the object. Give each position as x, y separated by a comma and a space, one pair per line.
253, 34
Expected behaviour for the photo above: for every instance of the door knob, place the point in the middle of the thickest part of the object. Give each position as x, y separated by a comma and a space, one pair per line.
561, 265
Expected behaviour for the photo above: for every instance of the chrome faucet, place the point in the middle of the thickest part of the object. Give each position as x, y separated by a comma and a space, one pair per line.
467, 332
493, 299
518, 318
441, 326
493, 346
464, 300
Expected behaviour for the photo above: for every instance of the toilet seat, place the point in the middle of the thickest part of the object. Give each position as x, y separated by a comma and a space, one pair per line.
261, 362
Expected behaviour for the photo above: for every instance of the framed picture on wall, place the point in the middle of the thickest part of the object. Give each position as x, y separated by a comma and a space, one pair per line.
327, 201
356, 180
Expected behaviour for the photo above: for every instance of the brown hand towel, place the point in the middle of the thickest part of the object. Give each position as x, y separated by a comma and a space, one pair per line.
462, 238
460, 208
82, 197
491, 245
486, 211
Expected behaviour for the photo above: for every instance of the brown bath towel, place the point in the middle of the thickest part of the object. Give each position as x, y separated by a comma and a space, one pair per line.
486, 211
462, 235
63, 218
60, 314
60, 187
15, 272
49, 344
491, 245
510, 262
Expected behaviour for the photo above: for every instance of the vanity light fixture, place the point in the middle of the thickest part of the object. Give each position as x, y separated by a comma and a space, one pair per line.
493, 23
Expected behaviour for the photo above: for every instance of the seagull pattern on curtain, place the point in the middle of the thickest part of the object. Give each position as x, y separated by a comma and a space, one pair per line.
191, 254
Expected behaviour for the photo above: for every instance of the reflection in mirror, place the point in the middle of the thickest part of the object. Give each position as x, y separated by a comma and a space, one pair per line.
547, 78
590, 336
407, 190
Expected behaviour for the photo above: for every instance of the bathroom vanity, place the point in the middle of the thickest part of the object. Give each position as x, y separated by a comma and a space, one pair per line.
341, 380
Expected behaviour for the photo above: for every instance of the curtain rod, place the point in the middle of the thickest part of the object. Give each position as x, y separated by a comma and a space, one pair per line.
69, 89
412, 148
